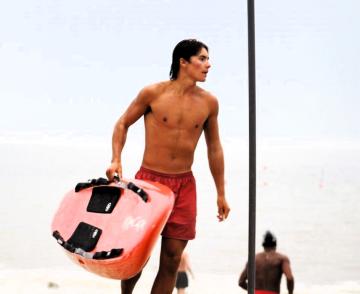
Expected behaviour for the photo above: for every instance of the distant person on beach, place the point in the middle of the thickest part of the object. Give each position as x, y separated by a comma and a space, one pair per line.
182, 280
270, 265
175, 113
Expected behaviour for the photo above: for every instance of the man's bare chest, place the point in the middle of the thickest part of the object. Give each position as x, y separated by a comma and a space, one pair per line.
175, 113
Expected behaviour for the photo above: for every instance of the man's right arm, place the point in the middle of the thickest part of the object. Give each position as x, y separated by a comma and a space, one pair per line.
288, 274
136, 109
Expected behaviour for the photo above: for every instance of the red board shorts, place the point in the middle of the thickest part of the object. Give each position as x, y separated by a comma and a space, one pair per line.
182, 220
264, 292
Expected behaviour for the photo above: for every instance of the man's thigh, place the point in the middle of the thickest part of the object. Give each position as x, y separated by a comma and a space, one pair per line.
172, 249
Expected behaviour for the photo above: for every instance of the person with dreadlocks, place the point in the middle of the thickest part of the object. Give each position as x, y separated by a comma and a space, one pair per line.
270, 265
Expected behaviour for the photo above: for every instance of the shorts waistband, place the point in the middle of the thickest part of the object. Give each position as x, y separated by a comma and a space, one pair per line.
175, 176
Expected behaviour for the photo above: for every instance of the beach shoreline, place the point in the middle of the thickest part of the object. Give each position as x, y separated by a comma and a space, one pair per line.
66, 280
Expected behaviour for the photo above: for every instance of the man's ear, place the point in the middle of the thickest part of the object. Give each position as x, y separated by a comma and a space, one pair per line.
183, 62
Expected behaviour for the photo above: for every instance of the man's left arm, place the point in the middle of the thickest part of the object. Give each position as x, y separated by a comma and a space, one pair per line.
288, 274
216, 159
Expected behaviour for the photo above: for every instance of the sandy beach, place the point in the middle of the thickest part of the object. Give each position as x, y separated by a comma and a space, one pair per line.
72, 280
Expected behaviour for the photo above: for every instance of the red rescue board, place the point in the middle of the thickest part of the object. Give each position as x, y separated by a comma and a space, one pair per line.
111, 230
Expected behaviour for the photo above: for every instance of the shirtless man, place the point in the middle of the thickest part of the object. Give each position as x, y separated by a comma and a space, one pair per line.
175, 112
270, 265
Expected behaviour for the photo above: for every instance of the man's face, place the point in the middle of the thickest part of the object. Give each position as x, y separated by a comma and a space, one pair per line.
199, 65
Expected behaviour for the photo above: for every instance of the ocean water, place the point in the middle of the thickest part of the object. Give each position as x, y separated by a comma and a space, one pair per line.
307, 195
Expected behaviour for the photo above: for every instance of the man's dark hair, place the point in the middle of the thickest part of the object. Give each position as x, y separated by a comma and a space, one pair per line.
184, 49
269, 240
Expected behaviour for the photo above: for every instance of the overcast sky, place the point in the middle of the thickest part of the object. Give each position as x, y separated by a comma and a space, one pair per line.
75, 65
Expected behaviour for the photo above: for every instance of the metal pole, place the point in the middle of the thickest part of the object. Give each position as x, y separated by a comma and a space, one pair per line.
252, 147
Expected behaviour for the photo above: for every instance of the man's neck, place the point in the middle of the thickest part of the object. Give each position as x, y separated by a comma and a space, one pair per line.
183, 84
268, 250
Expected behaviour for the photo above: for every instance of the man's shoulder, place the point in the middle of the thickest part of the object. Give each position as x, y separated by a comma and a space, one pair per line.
152, 91
210, 99
156, 87
206, 94
282, 256
260, 255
